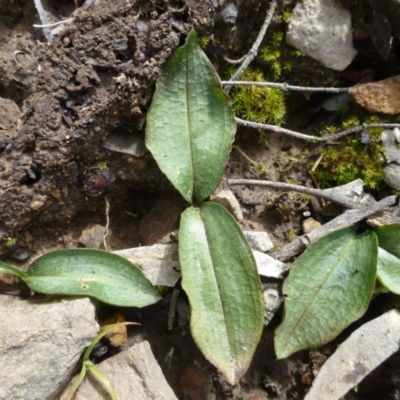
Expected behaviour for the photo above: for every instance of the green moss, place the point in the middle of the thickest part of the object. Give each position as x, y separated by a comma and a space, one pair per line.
204, 41
258, 104
286, 15
11, 241
102, 166
350, 159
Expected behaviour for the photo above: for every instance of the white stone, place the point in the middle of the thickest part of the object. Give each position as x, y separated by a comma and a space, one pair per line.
92, 236
160, 263
228, 200
41, 342
363, 351
258, 240
133, 373
270, 267
322, 30
272, 301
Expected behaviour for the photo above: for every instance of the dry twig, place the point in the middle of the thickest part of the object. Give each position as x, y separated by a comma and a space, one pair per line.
330, 138
348, 218
328, 194
254, 49
285, 86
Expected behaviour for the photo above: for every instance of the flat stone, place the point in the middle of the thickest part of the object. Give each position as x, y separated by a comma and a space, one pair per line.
363, 351
9, 114
41, 342
378, 97
272, 301
226, 198
259, 240
133, 373
124, 142
270, 267
322, 30
390, 139
160, 263
92, 236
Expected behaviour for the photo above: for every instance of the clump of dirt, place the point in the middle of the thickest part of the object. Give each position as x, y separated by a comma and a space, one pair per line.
97, 76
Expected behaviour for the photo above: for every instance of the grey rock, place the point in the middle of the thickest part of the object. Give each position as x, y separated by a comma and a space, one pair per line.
390, 138
229, 14
321, 29
351, 192
20, 254
270, 267
363, 351
259, 240
392, 175
310, 224
133, 373
9, 114
92, 236
272, 303
160, 263
41, 342
226, 198
124, 142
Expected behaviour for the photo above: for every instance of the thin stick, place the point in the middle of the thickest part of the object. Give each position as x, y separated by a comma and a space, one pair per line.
230, 61
254, 49
348, 218
330, 138
43, 19
324, 193
172, 308
107, 223
245, 155
55, 23
286, 86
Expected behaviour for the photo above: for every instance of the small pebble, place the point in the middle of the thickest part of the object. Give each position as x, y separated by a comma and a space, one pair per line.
310, 224
20, 254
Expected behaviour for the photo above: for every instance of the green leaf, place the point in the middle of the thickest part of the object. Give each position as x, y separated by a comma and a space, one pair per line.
329, 287
190, 125
220, 277
389, 270
389, 238
9, 269
85, 272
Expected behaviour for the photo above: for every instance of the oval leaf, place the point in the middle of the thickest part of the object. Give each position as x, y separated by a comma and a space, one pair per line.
329, 287
389, 270
389, 238
86, 272
220, 277
190, 125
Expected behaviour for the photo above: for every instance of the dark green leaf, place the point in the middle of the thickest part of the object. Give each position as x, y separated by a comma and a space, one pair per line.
220, 277
85, 272
329, 287
389, 238
190, 125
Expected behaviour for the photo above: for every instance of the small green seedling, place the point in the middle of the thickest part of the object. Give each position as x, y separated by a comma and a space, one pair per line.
88, 366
